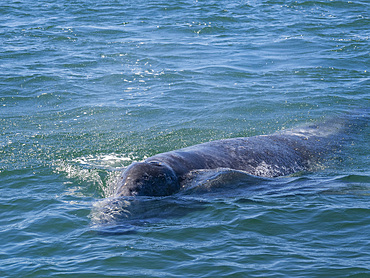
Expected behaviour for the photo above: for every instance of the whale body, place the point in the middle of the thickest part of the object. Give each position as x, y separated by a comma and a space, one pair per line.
278, 154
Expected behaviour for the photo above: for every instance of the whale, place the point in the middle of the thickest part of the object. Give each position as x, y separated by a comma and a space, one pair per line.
278, 154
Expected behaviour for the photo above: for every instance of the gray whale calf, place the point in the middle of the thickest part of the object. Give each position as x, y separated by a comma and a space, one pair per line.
281, 153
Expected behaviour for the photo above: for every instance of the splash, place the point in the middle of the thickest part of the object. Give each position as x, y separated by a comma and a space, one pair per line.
99, 172
110, 211
104, 161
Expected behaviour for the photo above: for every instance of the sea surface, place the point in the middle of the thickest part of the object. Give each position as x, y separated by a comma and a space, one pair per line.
88, 87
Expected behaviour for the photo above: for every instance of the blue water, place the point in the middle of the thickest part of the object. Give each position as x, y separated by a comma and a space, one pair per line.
88, 87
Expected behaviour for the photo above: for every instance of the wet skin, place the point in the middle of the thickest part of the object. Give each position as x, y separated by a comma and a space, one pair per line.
273, 155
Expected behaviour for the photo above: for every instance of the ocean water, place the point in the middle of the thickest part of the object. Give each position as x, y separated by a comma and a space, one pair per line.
88, 87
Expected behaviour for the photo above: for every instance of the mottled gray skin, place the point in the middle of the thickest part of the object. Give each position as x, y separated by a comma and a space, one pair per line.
273, 155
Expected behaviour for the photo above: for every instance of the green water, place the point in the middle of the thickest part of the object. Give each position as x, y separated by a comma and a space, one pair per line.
88, 87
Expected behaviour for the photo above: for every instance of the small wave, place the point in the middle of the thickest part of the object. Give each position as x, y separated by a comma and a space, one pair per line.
356, 179
351, 184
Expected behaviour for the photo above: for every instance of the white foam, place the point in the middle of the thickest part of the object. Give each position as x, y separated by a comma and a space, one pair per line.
99, 171
104, 160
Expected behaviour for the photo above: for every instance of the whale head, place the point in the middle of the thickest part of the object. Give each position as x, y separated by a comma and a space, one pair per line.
148, 179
